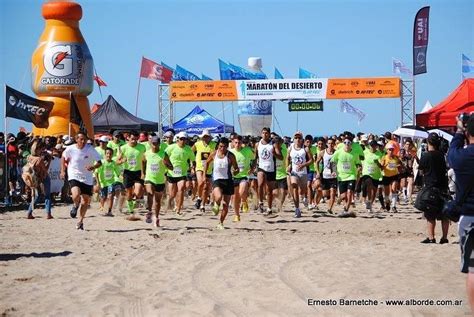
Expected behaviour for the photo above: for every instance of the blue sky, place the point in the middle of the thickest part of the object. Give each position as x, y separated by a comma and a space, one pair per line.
334, 39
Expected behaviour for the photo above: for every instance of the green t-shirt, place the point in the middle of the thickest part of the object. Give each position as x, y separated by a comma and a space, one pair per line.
155, 168
356, 149
346, 165
133, 156
115, 146
147, 145
281, 164
369, 167
108, 173
179, 157
244, 159
314, 151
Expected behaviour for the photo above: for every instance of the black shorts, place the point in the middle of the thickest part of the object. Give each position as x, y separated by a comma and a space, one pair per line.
406, 175
85, 189
386, 181
226, 185
269, 176
237, 181
156, 187
434, 215
367, 180
131, 177
12, 174
346, 185
328, 183
174, 180
281, 184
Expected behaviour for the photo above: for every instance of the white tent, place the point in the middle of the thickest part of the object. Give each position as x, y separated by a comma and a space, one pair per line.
427, 106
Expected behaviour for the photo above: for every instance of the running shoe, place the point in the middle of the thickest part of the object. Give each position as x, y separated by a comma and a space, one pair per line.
197, 204
297, 213
236, 218
80, 226
311, 207
268, 212
73, 212
428, 240
305, 202
394, 210
156, 222
215, 209
148, 217
443, 241
220, 226
245, 206
260, 207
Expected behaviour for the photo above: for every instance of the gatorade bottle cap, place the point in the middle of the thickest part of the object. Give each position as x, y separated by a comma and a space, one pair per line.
62, 10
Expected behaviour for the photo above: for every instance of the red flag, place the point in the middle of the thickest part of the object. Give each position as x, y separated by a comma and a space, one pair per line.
99, 81
152, 70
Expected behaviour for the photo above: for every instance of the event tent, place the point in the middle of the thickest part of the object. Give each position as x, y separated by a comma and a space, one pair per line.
198, 120
111, 115
444, 114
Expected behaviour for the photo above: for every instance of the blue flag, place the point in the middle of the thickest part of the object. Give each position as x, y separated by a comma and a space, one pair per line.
278, 75
204, 77
467, 65
230, 71
224, 70
181, 74
302, 73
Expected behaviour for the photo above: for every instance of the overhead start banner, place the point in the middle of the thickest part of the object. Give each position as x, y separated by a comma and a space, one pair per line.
285, 89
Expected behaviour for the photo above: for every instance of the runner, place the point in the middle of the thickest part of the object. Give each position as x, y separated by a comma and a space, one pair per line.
371, 174
408, 157
391, 165
327, 173
155, 171
82, 159
281, 184
179, 158
298, 159
347, 165
267, 152
132, 155
244, 157
203, 148
107, 176
116, 142
317, 182
309, 199
103, 141
225, 165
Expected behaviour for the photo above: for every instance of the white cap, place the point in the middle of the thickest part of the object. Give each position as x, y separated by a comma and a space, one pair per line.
104, 138
65, 137
182, 134
364, 137
58, 146
205, 132
168, 134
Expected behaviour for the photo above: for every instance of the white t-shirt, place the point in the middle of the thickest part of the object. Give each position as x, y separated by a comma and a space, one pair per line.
78, 160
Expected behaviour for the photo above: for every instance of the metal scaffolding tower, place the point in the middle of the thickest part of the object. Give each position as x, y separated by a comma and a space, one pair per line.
407, 103
165, 108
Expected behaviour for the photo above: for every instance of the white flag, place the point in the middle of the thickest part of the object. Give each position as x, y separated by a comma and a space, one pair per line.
399, 67
348, 108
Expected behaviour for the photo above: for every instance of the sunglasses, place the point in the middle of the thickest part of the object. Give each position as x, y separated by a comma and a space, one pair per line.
182, 139
347, 142
390, 149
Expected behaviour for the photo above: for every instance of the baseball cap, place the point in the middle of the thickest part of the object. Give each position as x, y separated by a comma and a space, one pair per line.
168, 134
205, 132
298, 133
116, 133
390, 145
182, 134
104, 139
373, 143
155, 139
364, 137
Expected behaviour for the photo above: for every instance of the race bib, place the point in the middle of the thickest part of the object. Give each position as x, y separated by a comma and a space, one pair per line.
346, 167
279, 164
155, 168
392, 166
241, 166
132, 162
109, 174
371, 169
177, 171
221, 165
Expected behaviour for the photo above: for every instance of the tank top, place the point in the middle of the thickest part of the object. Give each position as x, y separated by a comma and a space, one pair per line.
202, 153
298, 156
329, 167
266, 160
221, 168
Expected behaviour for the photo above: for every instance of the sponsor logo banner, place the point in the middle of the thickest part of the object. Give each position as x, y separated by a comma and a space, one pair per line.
23, 107
281, 89
351, 88
215, 90
305, 106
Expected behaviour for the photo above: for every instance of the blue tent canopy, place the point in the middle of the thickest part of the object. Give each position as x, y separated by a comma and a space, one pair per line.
198, 120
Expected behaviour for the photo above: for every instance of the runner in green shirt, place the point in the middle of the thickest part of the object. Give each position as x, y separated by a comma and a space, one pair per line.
107, 175
244, 157
154, 178
347, 166
371, 173
178, 159
281, 185
131, 154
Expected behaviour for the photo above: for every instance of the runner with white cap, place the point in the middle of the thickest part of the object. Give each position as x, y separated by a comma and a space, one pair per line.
179, 158
203, 148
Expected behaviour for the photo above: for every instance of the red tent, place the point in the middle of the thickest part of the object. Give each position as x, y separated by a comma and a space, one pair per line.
444, 114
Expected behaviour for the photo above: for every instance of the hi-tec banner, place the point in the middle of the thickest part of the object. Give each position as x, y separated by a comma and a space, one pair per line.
285, 89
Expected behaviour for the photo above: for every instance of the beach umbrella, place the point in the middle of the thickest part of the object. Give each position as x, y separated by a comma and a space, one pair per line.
445, 135
411, 132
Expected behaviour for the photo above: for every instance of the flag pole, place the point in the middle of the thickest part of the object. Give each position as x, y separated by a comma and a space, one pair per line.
223, 116
414, 103
100, 90
138, 89
233, 117
6, 172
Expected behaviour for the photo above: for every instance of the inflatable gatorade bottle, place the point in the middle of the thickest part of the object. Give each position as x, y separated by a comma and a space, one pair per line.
62, 64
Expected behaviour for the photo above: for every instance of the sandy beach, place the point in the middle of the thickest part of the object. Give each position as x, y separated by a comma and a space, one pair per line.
259, 267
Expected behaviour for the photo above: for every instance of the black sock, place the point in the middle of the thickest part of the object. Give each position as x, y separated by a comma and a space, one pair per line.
382, 203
